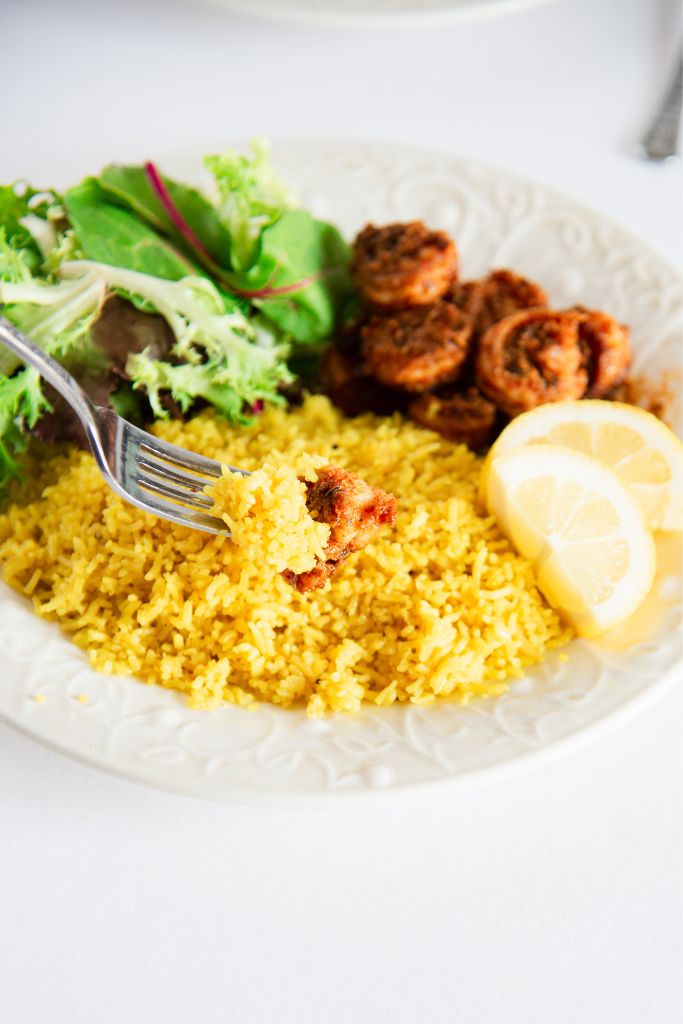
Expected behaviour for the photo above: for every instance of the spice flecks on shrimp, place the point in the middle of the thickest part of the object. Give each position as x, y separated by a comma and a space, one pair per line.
353, 510
458, 356
402, 265
607, 351
530, 358
345, 377
463, 417
417, 349
505, 293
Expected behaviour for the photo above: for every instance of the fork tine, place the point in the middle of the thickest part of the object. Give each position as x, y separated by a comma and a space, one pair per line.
193, 520
178, 457
185, 481
182, 498
159, 478
117, 445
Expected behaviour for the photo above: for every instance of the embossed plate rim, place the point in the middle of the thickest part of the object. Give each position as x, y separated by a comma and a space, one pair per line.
520, 765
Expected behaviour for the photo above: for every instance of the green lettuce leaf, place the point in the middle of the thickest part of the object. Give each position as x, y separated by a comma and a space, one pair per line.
230, 359
289, 265
55, 315
300, 276
22, 403
14, 208
127, 403
251, 197
130, 187
107, 233
186, 383
16, 262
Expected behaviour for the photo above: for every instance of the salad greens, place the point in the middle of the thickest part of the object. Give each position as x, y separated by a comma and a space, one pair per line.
109, 234
14, 206
237, 287
251, 198
22, 403
170, 208
303, 297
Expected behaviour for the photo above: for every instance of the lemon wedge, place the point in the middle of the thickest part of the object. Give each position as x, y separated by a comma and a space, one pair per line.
646, 456
581, 529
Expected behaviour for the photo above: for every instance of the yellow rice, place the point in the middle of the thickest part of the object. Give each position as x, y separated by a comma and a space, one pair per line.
439, 606
268, 517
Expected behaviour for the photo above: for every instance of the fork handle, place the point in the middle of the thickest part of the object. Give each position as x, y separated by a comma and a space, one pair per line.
51, 371
661, 139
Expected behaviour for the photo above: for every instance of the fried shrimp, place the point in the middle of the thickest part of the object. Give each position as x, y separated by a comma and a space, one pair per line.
458, 356
402, 265
465, 417
606, 351
353, 510
417, 349
345, 377
532, 357
503, 292
468, 297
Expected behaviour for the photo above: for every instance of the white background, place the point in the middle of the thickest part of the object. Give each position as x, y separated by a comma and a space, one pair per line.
556, 897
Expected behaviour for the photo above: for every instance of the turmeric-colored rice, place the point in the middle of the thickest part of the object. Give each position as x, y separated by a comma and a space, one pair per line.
267, 515
439, 606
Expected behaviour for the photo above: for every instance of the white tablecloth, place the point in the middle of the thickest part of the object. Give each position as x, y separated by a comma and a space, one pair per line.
555, 897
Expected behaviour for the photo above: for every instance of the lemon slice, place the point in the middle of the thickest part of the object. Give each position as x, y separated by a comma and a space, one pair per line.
580, 528
642, 451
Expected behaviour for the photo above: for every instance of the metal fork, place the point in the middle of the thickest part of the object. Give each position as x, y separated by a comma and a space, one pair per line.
158, 477
661, 139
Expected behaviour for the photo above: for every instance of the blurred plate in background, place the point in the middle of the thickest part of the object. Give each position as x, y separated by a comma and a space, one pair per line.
376, 13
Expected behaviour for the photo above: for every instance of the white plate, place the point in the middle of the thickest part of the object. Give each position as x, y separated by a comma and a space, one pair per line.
379, 14
274, 756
